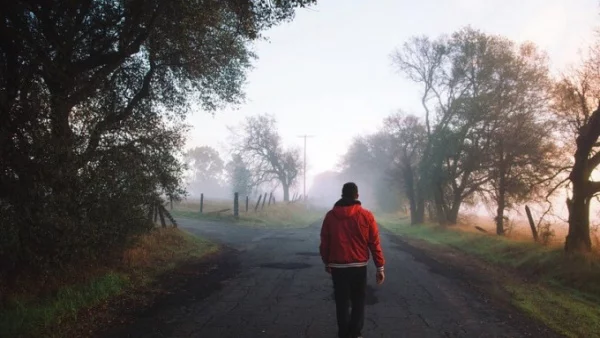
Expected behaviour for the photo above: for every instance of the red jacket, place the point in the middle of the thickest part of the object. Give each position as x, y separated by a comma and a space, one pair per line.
348, 233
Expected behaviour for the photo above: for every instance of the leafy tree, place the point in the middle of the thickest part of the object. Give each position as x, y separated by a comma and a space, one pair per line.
206, 170
472, 83
91, 99
260, 148
370, 161
523, 164
240, 177
408, 138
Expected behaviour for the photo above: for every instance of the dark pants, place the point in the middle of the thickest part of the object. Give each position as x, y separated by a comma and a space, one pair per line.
349, 285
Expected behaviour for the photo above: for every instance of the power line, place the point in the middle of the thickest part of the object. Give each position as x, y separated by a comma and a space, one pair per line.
305, 137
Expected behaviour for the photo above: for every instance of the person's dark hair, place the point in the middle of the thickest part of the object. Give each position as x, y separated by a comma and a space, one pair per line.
350, 190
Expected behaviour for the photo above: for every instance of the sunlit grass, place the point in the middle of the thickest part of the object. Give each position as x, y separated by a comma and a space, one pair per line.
152, 255
566, 313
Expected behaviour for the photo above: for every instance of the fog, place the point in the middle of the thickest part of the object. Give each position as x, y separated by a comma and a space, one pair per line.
327, 76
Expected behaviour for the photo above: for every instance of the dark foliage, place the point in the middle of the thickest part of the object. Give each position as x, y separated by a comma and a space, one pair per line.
92, 95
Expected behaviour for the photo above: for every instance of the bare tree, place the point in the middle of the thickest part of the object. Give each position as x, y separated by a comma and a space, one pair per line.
260, 148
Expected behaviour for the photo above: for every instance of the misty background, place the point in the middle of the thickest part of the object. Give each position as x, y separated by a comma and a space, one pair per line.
329, 74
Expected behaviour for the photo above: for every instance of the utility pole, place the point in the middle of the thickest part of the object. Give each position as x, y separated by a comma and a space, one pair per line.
304, 172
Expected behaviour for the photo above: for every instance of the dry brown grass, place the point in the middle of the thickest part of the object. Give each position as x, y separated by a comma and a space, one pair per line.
160, 246
279, 215
521, 231
210, 205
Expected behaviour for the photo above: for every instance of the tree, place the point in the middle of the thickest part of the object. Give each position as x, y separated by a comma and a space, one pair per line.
92, 96
521, 148
206, 169
260, 148
369, 162
469, 83
523, 155
408, 137
240, 177
576, 95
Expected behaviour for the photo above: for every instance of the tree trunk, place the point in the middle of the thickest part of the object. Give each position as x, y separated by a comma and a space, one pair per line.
420, 210
409, 185
501, 191
500, 217
452, 214
578, 239
286, 192
420, 202
430, 210
439, 206
501, 203
162, 216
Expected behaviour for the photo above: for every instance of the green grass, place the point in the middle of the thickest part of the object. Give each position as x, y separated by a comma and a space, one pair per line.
278, 216
564, 312
31, 318
153, 255
562, 291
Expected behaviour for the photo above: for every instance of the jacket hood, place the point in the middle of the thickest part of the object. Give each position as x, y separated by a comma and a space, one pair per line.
345, 208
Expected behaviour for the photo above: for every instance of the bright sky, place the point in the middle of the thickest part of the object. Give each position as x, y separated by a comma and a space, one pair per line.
328, 73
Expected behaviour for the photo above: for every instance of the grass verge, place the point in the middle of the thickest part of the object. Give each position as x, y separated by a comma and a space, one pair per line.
562, 291
52, 315
279, 216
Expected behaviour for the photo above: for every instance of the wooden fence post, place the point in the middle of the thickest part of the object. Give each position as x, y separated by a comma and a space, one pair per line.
162, 217
247, 200
201, 202
156, 205
263, 203
236, 205
257, 203
531, 223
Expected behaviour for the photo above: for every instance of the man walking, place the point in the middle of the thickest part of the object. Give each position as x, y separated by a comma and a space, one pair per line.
348, 233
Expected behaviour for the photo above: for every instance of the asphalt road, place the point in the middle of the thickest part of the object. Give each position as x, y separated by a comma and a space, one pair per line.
272, 284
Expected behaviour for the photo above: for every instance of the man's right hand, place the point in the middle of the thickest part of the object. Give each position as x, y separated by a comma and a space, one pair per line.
380, 277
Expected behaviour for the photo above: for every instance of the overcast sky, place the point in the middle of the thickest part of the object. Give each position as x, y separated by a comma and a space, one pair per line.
328, 73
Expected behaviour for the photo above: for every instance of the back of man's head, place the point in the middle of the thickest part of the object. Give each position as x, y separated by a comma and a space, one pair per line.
350, 191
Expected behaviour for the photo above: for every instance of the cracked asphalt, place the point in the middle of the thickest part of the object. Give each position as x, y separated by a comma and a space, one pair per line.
273, 284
